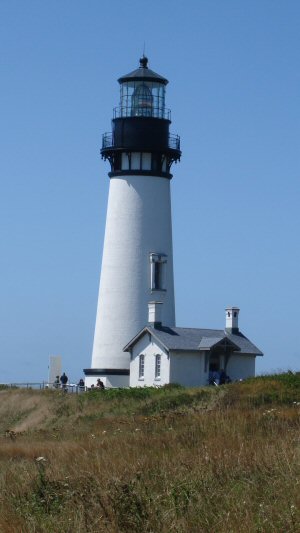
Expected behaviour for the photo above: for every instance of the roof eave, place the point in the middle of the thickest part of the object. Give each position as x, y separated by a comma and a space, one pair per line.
143, 74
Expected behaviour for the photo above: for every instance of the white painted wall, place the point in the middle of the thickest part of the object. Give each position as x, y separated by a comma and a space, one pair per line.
188, 369
240, 367
138, 222
109, 381
150, 349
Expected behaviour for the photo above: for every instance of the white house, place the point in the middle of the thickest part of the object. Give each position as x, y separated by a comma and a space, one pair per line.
160, 354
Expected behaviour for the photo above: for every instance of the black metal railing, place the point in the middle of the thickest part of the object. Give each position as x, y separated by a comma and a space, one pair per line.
141, 111
108, 141
174, 142
44, 385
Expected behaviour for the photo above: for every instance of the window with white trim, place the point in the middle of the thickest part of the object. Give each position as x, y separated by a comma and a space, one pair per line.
157, 366
141, 366
158, 267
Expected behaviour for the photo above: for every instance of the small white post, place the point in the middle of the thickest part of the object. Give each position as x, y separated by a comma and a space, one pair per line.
54, 368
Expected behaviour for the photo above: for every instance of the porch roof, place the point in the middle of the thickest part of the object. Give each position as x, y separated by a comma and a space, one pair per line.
207, 343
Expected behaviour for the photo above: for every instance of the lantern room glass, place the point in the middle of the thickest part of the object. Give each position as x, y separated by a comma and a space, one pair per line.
142, 99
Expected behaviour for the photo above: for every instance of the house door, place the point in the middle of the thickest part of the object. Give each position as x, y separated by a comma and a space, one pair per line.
214, 363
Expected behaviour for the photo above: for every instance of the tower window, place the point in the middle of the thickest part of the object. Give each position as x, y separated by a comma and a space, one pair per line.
141, 366
117, 162
158, 264
156, 163
157, 366
142, 101
157, 275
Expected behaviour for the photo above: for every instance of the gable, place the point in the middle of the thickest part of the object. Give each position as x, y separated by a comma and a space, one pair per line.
149, 332
145, 343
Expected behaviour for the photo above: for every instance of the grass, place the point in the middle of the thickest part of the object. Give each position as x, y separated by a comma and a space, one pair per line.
153, 460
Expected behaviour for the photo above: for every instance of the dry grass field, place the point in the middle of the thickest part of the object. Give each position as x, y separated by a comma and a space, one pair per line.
223, 459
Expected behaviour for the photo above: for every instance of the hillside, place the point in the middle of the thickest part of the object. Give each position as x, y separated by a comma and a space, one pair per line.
152, 460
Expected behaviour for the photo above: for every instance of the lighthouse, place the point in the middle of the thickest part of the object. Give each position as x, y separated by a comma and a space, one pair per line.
137, 261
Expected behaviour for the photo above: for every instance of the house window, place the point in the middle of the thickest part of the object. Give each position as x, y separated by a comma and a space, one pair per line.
141, 366
158, 263
157, 366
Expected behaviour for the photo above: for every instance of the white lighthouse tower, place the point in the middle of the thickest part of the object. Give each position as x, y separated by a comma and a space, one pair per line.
137, 263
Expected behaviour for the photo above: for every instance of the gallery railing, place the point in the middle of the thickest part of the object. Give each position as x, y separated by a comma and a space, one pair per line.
108, 141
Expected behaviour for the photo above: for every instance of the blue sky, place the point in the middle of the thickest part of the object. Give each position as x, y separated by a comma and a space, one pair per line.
234, 92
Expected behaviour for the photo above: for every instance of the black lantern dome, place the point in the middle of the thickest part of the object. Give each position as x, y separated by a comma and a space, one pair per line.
141, 125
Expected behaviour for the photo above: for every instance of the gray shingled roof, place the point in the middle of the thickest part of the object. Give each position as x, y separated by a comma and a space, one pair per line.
193, 339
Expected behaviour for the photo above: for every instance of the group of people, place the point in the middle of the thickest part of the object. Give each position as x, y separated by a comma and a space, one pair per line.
62, 382
218, 377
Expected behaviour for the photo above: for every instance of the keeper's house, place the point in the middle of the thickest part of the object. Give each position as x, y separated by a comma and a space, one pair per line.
188, 356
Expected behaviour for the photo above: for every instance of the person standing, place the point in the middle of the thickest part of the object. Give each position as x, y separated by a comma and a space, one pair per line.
64, 380
81, 385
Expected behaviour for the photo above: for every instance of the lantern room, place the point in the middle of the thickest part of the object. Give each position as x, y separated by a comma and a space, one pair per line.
142, 93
